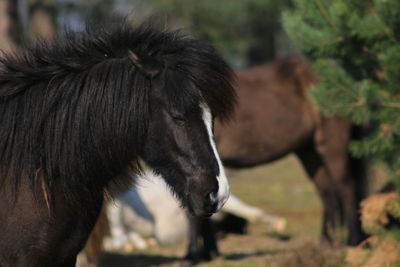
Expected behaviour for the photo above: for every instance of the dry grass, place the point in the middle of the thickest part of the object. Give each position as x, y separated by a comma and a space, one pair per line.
314, 255
280, 188
379, 250
377, 210
375, 252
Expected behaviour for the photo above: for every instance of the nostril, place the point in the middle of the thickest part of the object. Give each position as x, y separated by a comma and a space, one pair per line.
213, 197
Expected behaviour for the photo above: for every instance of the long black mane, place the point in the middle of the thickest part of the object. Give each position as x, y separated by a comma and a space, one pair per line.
74, 111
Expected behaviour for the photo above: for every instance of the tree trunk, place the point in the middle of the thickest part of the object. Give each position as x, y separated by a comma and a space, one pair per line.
9, 26
42, 18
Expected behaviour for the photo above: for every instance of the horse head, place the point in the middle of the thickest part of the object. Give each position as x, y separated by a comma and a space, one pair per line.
100, 102
187, 93
180, 148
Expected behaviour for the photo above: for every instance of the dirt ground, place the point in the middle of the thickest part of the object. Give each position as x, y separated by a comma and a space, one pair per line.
280, 188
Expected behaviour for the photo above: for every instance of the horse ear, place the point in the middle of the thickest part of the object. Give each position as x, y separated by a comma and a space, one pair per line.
149, 66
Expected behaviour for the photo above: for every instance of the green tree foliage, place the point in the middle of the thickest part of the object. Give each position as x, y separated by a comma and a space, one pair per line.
75, 14
355, 47
245, 31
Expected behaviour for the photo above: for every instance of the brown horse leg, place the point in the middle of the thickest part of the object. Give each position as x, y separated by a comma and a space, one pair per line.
332, 138
318, 174
331, 205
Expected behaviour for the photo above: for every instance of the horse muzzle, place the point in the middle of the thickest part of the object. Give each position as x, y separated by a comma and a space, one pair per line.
203, 204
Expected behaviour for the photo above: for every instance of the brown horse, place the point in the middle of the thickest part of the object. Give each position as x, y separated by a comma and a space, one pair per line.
275, 117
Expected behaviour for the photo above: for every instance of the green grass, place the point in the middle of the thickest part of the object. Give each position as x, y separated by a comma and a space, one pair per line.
280, 188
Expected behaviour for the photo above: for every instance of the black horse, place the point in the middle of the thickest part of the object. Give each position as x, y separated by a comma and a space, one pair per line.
80, 112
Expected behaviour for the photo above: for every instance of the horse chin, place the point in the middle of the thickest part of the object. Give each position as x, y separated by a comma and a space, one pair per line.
199, 213
199, 208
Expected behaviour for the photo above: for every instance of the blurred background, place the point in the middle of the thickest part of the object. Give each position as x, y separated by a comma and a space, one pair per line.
354, 48
245, 32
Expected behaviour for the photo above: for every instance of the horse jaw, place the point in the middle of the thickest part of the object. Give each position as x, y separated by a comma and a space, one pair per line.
223, 185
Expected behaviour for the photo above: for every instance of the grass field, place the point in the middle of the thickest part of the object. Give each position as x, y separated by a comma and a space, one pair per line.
280, 188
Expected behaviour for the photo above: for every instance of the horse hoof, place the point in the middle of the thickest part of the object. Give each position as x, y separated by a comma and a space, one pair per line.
275, 224
280, 225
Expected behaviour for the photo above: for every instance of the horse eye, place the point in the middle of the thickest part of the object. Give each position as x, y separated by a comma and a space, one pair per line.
180, 120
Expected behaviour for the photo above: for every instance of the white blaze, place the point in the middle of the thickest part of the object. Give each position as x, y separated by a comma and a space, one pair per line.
223, 185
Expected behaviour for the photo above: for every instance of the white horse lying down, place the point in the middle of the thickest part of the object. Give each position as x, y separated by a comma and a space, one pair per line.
150, 210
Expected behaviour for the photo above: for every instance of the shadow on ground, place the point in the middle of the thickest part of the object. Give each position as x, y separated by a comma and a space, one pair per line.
133, 260
142, 260
242, 256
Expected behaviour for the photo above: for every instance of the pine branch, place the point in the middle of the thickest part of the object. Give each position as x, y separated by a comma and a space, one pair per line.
358, 67
386, 30
353, 104
325, 13
347, 91
390, 105
337, 40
